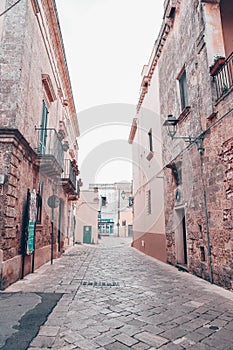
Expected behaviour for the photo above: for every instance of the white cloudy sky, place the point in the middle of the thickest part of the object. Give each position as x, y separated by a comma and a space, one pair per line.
107, 42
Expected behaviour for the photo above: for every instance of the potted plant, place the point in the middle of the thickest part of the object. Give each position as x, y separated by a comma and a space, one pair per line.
219, 61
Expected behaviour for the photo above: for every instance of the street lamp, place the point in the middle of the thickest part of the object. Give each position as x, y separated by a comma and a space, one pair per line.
171, 125
120, 195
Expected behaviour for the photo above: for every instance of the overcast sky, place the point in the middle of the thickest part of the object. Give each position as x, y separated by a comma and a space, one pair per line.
107, 42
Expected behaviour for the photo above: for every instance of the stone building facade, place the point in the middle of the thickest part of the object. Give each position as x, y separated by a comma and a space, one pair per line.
38, 140
193, 57
145, 137
115, 208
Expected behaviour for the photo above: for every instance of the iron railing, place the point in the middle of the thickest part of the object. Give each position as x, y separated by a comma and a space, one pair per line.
223, 78
50, 145
69, 173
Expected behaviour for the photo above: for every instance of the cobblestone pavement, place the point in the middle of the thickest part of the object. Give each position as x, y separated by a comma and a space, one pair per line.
115, 298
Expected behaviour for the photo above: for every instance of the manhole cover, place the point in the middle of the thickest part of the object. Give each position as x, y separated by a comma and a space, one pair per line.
74, 254
100, 283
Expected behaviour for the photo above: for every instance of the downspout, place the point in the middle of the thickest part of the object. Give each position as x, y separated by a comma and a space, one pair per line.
206, 219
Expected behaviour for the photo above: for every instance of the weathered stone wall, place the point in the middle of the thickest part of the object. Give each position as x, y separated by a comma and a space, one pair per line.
209, 174
30, 47
11, 55
20, 175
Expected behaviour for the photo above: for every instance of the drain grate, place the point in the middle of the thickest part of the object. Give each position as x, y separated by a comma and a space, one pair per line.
74, 254
100, 283
214, 328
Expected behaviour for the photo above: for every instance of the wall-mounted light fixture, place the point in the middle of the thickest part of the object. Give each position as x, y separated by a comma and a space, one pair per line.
171, 125
2, 179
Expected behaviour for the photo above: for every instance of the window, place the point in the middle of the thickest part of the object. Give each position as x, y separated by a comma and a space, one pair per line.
43, 131
39, 202
179, 172
150, 140
151, 153
131, 200
148, 200
183, 90
103, 201
176, 169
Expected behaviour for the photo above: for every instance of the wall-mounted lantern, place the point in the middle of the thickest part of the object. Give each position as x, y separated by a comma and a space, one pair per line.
171, 125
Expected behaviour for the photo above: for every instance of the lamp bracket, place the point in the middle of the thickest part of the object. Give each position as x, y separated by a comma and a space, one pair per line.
185, 138
197, 140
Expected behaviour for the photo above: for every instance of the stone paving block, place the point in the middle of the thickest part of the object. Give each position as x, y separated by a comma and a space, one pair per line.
151, 339
114, 314
195, 324
105, 311
205, 331
86, 345
126, 339
153, 329
49, 331
42, 341
89, 333
113, 323
194, 304
136, 322
201, 346
116, 346
184, 341
145, 307
112, 332
219, 344
141, 346
65, 347
100, 328
174, 333
168, 325
171, 346
129, 329
195, 336
184, 319
104, 340
226, 317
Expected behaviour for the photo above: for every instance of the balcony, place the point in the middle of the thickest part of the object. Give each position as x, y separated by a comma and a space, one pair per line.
50, 152
223, 77
68, 178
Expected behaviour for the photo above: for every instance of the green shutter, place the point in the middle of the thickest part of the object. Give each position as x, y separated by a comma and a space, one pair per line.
43, 132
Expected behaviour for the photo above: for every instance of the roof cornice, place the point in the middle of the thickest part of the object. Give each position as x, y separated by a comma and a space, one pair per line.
168, 19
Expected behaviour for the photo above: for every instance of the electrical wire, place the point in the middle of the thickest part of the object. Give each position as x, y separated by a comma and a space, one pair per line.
9, 8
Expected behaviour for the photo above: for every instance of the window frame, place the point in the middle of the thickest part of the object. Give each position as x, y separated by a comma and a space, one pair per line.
183, 89
148, 201
150, 140
43, 129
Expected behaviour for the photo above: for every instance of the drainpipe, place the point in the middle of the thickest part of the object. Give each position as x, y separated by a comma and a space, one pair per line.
206, 218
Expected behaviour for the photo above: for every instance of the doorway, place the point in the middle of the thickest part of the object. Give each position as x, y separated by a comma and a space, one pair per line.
87, 234
181, 237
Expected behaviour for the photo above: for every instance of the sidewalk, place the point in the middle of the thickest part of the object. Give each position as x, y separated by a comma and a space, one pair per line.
110, 296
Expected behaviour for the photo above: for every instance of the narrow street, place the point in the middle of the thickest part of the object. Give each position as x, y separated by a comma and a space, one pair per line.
110, 296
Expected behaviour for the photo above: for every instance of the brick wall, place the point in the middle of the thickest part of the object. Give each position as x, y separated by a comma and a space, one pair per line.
186, 47
30, 50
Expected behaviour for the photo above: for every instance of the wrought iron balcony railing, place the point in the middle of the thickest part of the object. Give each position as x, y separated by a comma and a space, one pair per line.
50, 151
223, 77
68, 176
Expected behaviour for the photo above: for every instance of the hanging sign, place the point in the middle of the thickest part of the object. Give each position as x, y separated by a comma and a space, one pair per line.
53, 201
32, 222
